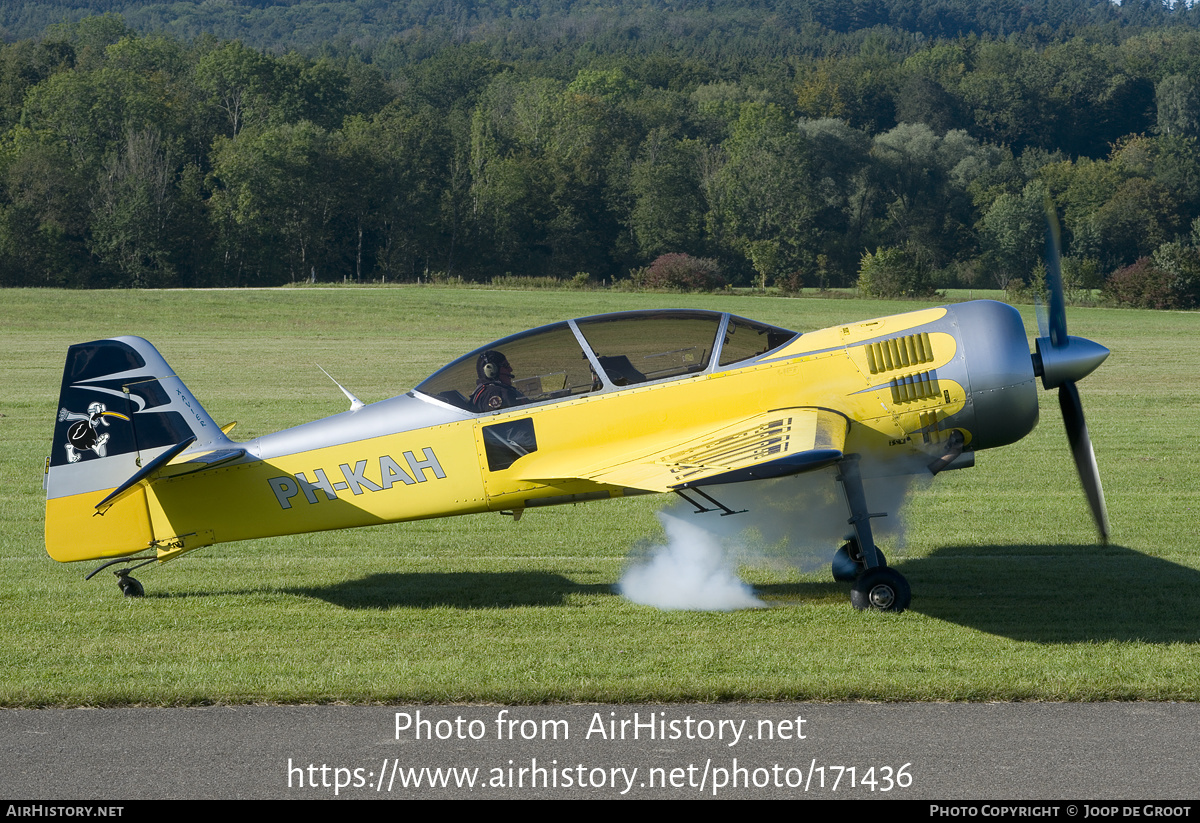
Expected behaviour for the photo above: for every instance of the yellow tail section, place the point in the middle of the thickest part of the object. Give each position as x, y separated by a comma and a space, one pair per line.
74, 531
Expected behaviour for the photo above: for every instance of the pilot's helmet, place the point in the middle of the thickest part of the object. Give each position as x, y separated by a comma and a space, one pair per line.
489, 364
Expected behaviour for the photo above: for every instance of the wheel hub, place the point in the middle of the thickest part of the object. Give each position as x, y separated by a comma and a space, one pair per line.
882, 597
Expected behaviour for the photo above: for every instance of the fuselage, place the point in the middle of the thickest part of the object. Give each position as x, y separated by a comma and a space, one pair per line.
906, 382
909, 385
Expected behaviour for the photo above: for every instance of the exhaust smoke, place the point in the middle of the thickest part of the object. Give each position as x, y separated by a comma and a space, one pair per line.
692, 571
790, 523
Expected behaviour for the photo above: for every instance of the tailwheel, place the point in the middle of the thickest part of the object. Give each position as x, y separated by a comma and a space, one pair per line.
128, 585
848, 561
882, 589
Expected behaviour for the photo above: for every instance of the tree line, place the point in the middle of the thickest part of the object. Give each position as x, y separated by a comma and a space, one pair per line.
142, 160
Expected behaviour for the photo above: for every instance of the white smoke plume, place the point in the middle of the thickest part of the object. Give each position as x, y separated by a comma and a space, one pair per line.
692, 571
795, 522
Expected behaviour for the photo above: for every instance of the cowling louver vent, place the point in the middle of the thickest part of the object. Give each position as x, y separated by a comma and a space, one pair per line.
899, 353
914, 387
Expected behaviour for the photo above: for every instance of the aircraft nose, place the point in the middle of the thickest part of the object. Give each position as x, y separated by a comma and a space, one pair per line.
1002, 402
1069, 363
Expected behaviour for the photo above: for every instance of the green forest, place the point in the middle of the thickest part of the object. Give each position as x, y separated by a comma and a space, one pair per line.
898, 145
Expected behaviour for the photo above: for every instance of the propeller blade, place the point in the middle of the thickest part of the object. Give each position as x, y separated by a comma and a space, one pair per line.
1057, 319
1085, 457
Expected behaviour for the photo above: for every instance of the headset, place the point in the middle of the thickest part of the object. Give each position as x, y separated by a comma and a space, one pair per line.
489, 364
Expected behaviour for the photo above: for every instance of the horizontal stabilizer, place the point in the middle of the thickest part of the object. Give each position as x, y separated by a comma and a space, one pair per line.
146, 475
200, 462
163, 467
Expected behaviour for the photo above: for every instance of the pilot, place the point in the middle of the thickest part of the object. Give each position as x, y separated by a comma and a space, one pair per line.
494, 389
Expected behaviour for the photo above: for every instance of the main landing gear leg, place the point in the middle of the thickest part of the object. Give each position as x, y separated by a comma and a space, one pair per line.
877, 586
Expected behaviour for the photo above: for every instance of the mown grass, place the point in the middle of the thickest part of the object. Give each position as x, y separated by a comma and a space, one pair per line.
1012, 601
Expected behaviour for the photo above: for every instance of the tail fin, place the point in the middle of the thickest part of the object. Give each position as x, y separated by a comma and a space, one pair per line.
120, 406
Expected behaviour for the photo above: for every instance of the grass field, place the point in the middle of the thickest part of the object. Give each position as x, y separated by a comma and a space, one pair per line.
1011, 601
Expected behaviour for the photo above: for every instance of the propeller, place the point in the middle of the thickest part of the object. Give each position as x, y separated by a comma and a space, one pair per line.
1061, 361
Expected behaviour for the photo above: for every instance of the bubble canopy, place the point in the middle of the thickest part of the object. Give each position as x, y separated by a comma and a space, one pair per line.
607, 352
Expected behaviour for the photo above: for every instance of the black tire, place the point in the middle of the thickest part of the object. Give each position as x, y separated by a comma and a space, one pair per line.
848, 562
844, 568
129, 586
881, 589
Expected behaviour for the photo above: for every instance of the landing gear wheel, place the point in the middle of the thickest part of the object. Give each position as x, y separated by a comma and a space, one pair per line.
129, 586
881, 589
844, 567
848, 561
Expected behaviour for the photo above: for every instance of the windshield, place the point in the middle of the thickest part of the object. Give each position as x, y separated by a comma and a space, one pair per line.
745, 339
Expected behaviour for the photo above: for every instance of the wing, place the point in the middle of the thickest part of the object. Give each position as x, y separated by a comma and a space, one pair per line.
771, 444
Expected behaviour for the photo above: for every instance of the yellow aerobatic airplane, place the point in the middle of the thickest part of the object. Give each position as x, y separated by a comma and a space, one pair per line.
650, 401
